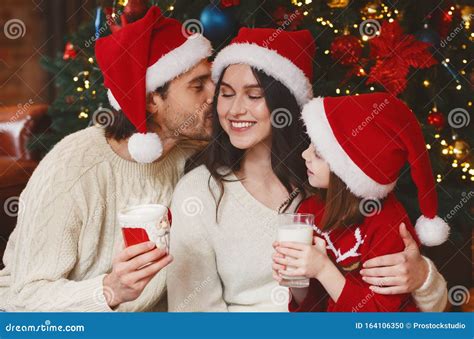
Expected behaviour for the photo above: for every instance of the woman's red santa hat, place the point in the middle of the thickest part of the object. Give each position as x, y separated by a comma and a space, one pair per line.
366, 140
138, 59
285, 56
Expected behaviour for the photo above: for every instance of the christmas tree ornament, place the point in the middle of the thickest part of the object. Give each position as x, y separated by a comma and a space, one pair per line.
429, 36
135, 9
437, 120
70, 52
218, 23
371, 10
346, 49
97, 21
392, 64
461, 149
229, 3
284, 18
338, 3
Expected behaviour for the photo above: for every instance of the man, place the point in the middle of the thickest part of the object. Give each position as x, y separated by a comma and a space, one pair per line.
66, 253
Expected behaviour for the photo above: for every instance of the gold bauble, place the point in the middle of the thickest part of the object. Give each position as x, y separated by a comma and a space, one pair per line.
338, 3
461, 149
371, 10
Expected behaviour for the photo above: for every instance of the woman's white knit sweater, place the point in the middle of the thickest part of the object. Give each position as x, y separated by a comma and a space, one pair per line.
226, 266
67, 232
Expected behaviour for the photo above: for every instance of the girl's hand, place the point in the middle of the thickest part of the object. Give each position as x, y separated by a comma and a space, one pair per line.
305, 260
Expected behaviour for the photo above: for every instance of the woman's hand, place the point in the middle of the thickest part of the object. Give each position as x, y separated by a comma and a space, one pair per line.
128, 278
305, 260
402, 272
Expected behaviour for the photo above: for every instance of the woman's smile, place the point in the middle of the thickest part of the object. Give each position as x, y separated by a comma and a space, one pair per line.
241, 125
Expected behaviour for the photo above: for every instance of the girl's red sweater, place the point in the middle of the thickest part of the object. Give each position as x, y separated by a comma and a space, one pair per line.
349, 248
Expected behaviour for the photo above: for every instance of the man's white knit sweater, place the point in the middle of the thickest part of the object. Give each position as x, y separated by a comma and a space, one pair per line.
67, 232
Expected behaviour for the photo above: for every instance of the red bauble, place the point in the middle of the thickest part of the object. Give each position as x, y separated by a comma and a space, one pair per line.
69, 52
135, 9
287, 20
437, 120
229, 3
346, 50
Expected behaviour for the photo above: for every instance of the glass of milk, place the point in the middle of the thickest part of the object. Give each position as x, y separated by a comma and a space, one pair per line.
295, 227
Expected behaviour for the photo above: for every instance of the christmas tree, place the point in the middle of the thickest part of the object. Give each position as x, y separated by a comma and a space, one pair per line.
420, 51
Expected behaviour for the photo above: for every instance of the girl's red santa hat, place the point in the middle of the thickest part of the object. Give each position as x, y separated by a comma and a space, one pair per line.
366, 140
138, 59
285, 56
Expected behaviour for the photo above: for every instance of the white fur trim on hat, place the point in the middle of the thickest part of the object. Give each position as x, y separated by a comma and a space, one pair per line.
178, 61
113, 102
268, 61
324, 140
145, 147
174, 63
432, 232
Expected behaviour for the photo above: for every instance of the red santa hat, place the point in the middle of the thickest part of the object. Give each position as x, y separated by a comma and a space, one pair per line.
366, 140
138, 59
285, 56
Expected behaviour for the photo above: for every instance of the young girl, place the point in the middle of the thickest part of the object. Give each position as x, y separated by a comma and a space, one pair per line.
359, 145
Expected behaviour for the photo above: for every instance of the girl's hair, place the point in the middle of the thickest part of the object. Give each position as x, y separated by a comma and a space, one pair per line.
342, 207
288, 141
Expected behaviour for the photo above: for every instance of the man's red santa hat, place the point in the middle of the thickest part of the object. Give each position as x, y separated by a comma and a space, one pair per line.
138, 59
366, 140
285, 56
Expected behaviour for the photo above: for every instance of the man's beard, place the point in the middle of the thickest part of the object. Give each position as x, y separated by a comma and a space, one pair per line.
196, 126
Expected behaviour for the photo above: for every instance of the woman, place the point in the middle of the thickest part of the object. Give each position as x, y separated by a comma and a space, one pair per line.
225, 212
